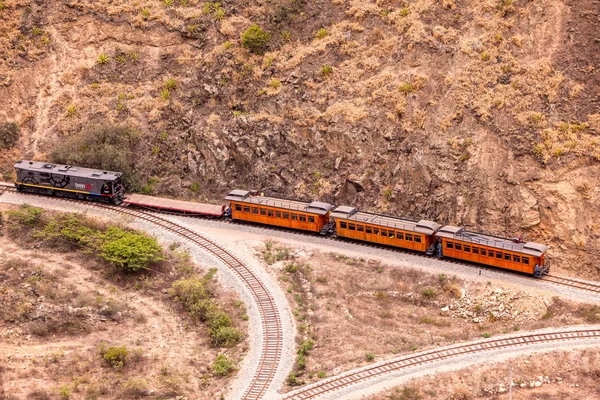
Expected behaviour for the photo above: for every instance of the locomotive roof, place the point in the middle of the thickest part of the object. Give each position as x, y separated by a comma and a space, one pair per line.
352, 214
69, 170
315, 207
530, 248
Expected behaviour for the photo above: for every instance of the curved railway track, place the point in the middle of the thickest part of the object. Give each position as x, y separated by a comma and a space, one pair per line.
348, 379
270, 318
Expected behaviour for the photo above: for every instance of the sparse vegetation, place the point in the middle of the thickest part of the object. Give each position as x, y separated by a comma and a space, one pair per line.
114, 357
369, 356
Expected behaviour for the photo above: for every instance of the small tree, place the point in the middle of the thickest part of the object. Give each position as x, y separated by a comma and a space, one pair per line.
129, 250
255, 39
9, 135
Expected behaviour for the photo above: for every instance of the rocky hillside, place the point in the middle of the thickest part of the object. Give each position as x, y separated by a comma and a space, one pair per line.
481, 113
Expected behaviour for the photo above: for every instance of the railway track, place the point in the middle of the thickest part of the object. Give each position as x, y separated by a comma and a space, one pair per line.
270, 318
328, 387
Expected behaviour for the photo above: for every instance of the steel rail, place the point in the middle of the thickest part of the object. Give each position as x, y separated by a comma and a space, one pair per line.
350, 378
270, 318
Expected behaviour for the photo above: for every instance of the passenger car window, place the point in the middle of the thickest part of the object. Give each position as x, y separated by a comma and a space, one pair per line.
498, 254
238, 207
517, 259
302, 218
467, 249
286, 215
459, 246
483, 252
526, 260
352, 227
270, 213
246, 209
507, 257
277, 214
368, 229
263, 211
311, 219
254, 210
475, 250
295, 217
342, 225
418, 238
450, 245
360, 228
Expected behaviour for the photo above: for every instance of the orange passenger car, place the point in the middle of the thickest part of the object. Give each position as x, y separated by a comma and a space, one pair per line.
279, 212
495, 251
382, 229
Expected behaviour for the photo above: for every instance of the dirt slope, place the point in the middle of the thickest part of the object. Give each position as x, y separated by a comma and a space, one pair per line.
481, 113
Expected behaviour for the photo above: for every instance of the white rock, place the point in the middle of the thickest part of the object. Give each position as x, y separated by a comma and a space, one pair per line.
538, 383
445, 309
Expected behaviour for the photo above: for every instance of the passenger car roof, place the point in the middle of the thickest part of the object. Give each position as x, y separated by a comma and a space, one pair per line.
530, 248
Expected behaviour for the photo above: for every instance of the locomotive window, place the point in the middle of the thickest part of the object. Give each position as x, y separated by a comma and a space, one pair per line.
516, 259
277, 214
246, 209
467, 249
383, 232
458, 246
263, 211
360, 228
369, 229
295, 217
418, 238
254, 210
302, 218
286, 215
238, 207
375, 231
311, 219
450, 245
498, 254
525, 260
507, 257
409, 237
400, 235
270, 213
483, 252
342, 225
475, 250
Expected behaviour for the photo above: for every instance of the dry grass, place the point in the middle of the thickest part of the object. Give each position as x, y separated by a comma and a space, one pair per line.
352, 306
571, 374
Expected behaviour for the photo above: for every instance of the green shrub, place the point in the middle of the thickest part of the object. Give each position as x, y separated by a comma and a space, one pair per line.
301, 364
129, 250
406, 87
9, 135
103, 59
222, 365
64, 392
321, 33
26, 215
69, 227
428, 293
369, 356
305, 347
106, 147
226, 336
322, 374
486, 335
292, 380
326, 70
255, 39
115, 357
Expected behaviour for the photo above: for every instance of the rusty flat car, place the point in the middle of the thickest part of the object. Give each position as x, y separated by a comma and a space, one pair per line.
174, 206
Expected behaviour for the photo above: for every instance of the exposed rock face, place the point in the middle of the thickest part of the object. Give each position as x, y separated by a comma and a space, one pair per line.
483, 115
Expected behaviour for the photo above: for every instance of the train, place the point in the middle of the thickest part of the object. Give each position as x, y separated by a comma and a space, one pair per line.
317, 217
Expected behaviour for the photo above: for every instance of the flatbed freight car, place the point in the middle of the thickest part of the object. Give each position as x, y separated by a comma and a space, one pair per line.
175, 206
